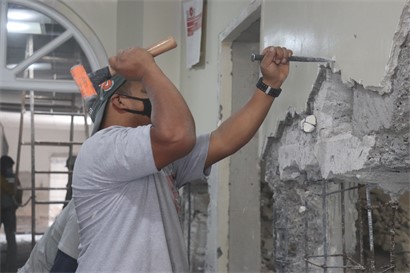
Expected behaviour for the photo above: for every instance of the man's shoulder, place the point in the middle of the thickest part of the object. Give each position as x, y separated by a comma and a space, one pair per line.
116, 130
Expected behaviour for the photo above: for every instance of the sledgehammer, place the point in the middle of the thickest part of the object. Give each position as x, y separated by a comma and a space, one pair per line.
89, 83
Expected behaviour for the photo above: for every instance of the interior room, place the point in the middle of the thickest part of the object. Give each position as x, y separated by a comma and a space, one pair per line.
322, 186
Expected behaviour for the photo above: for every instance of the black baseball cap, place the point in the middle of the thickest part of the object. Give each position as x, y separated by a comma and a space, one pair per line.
97, 103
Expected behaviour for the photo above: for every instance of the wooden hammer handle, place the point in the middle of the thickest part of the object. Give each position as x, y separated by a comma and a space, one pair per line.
154, 50
161, 47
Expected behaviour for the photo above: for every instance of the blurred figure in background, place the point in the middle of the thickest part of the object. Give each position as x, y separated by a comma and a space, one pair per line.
10, 201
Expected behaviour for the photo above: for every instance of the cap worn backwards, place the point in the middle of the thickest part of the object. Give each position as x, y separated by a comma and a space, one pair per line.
96, 104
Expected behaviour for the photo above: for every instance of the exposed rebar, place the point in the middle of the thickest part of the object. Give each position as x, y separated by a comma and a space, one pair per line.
342, 202
370, 226
324, 208
394, 205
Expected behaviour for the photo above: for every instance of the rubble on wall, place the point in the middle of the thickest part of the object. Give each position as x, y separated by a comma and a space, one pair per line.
360, 134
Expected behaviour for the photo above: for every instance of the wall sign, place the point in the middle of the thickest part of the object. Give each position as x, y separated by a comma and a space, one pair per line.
193, 14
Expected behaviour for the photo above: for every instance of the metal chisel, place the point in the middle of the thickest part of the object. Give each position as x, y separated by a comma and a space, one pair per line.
258, 57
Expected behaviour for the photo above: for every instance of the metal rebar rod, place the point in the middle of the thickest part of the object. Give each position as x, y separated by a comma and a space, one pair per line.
315, 264
388, 269
360, 219
347, 189
286, 235
360, 266
306, 238
324, 208
370, 226
355, 265
342, 203
394, 206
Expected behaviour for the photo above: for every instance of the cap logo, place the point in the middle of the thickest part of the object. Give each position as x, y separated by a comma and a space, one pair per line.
106, 86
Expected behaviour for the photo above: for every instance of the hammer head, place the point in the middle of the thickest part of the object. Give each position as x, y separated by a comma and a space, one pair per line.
95, 94
83, 82
89, 83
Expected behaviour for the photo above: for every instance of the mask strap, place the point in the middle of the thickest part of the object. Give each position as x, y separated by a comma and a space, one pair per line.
147, 106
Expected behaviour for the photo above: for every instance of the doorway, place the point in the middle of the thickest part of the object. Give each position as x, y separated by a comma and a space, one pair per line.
238, 78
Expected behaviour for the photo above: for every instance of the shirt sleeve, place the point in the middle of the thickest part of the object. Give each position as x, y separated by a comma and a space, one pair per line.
191, 167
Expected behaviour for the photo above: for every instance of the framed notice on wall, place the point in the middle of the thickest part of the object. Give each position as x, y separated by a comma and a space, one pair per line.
193, 15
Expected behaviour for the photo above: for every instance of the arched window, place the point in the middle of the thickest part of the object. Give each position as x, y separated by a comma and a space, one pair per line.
39, 45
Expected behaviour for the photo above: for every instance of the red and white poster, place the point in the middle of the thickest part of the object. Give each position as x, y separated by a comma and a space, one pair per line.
192, 10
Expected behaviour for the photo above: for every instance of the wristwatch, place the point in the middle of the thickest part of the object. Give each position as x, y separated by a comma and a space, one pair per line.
274, 92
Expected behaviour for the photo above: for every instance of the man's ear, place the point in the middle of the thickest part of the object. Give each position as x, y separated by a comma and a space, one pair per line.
117, 101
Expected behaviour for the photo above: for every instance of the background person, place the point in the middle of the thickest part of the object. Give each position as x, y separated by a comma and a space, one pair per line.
57, 250
9, 204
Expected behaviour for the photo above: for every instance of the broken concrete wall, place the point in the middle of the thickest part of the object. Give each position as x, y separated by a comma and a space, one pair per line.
194, 216
361, 137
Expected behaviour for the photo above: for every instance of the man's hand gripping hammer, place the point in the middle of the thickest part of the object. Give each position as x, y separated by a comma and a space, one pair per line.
89, 83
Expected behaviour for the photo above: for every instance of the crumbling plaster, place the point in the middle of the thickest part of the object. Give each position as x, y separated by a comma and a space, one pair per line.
361, 135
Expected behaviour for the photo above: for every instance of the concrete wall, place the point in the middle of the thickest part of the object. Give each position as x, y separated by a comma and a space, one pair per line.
361, 137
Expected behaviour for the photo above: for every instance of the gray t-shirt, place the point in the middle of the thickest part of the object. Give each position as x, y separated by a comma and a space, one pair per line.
125, 206
62, 234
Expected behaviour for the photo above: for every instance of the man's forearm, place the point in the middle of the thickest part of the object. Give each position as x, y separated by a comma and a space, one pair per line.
239, 128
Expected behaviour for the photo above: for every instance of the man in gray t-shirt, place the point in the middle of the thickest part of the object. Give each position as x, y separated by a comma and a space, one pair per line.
143, 149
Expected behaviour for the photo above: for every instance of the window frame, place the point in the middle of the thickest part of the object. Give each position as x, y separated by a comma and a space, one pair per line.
75, 28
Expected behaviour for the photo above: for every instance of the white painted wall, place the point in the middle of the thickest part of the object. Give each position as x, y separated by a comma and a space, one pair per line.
47, 128
357, 34
120, 24
101, 16
199, 85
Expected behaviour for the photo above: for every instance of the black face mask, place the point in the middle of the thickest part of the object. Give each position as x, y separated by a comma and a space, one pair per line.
147, 106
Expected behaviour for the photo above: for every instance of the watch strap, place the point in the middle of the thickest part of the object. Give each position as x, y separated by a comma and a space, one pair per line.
268, 90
